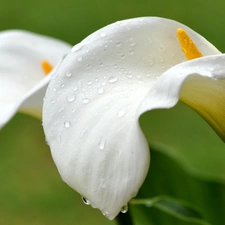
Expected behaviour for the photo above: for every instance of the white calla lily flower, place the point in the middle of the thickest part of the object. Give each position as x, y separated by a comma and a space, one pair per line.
92, 106
25, 60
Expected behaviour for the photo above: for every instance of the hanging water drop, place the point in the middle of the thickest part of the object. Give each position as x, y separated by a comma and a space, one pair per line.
85, 201
124, 209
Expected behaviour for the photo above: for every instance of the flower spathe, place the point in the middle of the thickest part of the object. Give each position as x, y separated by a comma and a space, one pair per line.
92, 106
23, 81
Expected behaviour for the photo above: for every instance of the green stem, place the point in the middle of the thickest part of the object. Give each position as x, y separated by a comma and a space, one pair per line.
124, 219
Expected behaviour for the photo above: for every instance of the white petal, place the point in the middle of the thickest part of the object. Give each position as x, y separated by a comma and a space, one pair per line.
21, 54
90, 118
200, 83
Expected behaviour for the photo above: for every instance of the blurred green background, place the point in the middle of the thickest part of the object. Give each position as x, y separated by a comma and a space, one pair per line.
190, 164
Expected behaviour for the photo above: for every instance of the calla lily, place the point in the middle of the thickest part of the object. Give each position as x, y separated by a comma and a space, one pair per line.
25, 60
92, 106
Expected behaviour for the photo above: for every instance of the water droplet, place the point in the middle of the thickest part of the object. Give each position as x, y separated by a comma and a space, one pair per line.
123, 111
88, 66
89, 82
162, 48
124, 209
68, 74
132, 41
100, 90
79, 58
73, 110
85, 100
54, 89
122, 56
161, 59
83, 132
150, 41
131, 51
118, 43
71, 98
129, 76
103, 34
112, 79
62, 85
101, 144
75, 89
85, 201
103, 183
67, 124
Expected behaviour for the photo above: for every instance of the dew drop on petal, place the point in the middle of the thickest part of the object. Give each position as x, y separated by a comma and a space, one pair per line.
100, 90
112, 79
118, 43
151, 62
132, 41
79, 58
85, 100
162, 48
124, 209
103, 34
89, 82
123, 111
83, 132
67, 124
71, 98
68, 74
85, 201
103, 183
161, 59
150, 41
101, 144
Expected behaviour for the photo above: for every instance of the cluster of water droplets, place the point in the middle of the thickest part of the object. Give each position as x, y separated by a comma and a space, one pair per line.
124, 209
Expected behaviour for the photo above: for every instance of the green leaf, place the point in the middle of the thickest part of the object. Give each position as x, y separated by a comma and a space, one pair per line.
177, 208
169, 176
